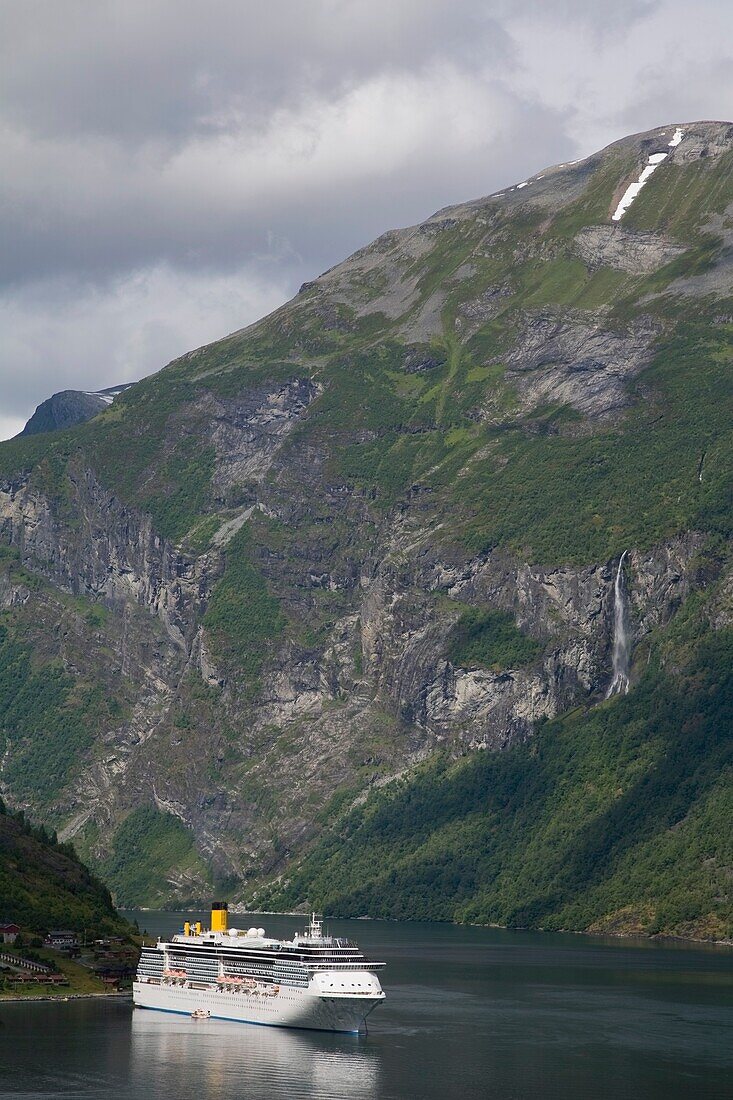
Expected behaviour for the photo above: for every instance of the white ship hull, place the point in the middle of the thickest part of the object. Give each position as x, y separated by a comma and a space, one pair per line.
291, 1007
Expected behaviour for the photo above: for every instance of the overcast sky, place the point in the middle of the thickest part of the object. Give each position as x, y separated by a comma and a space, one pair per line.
173, 169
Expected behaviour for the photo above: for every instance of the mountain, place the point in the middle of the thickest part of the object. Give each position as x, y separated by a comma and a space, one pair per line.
43, 885
328, 610
68, 408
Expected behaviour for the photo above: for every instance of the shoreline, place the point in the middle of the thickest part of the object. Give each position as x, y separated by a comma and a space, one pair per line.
62, 999
661, 938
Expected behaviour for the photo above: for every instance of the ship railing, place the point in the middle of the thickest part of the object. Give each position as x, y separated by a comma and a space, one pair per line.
365, 965
327, 941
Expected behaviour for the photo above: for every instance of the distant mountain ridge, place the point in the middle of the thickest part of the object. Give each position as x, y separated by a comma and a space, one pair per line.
372, 554
67, 408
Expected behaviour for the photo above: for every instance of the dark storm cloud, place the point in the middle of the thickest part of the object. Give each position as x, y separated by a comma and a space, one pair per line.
172, 169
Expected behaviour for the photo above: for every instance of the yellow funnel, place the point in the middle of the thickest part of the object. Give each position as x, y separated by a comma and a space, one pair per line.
219, 916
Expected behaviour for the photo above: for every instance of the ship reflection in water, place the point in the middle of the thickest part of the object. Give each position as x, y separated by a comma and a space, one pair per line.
168, 1053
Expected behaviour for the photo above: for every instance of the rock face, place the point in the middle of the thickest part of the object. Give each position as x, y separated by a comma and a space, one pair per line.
569, 610
564, 360
63, 410
114, 556
636, 253
265, 553
69, 408
247, 435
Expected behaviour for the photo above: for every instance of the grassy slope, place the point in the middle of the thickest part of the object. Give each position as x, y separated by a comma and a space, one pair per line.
489, 639
81, 980
243, 618
148, 846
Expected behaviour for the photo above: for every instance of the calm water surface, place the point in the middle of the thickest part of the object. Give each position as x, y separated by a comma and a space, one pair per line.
469, 1013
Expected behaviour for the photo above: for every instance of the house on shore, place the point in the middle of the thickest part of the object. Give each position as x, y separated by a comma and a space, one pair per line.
8, 932
62, 939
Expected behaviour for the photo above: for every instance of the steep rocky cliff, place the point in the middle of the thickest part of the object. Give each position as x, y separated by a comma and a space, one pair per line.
383, 522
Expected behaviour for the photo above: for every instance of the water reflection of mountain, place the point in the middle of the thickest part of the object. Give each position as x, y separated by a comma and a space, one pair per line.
176, 1056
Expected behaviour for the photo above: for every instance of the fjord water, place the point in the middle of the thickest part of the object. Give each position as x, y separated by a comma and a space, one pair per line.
470, 1012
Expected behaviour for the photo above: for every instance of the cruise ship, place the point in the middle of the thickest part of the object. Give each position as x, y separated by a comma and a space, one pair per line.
312, 981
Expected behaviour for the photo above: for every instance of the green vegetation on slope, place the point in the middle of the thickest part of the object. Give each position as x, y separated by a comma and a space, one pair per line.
490, 639
43, 885
559, 495
148, 849
684, 197
586, 499
49, 717
617, 818
243, 619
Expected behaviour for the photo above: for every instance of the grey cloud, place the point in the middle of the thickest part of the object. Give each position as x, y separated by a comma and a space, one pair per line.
162, 69
321, 221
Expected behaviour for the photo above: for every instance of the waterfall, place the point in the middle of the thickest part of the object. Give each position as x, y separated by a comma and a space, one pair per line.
620, 683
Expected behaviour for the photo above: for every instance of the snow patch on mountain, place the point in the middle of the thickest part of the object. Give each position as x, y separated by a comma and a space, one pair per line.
110, 393
652, 164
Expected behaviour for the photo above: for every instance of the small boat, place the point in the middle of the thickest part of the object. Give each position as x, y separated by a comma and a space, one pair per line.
200, 1014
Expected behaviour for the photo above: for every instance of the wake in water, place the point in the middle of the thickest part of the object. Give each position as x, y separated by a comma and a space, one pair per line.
620, 683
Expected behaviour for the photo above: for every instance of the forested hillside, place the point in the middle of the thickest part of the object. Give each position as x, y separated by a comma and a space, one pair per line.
43, 885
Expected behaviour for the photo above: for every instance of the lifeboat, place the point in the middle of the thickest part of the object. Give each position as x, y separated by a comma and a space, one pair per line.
174, 975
